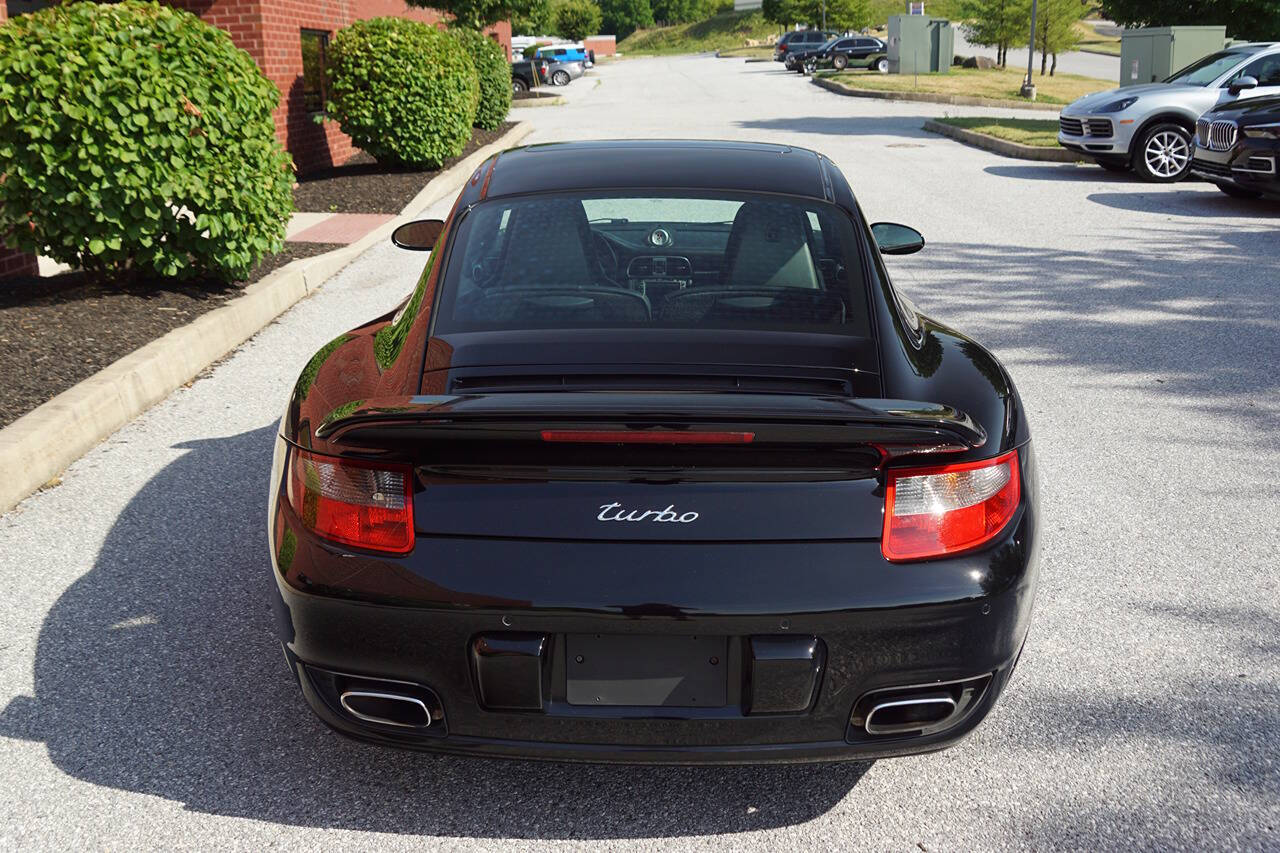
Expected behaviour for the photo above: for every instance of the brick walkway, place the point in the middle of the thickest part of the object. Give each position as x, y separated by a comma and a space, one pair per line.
332, 227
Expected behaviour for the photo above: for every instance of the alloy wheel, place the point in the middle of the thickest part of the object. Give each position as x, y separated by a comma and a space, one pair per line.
1167, 154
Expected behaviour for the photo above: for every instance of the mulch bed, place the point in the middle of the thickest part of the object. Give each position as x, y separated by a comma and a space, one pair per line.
361, 185
57, 331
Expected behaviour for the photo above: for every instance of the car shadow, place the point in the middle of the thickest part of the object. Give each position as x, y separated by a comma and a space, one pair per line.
910, 126
1201, 203
158, 672
1064, 172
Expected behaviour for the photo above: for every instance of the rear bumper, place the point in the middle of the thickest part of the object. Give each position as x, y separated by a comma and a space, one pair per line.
879, 626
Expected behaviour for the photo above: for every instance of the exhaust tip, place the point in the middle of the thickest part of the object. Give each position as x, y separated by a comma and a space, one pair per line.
388, 709
895, 715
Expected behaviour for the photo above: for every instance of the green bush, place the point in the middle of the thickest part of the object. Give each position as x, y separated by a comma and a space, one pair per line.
495, 77
135, 137
402, 90
576, 19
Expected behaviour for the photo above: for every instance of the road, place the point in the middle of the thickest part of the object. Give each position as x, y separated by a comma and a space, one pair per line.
145, 703
1072, 62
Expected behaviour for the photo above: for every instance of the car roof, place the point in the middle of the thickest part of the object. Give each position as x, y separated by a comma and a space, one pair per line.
659, 164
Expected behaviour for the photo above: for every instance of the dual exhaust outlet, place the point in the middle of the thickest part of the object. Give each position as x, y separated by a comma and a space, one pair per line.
387, 709
892, 716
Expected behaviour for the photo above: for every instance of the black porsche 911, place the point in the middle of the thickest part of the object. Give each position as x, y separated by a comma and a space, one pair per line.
655, 464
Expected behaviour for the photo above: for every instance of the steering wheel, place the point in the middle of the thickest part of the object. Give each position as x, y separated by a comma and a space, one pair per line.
606, 258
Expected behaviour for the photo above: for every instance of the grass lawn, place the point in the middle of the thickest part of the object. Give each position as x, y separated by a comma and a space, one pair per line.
719, 32
973, 82
1042, 133
1091, 39
763, 52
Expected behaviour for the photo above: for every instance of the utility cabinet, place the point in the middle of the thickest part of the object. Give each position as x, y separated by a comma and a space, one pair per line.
1152, 54
919, 44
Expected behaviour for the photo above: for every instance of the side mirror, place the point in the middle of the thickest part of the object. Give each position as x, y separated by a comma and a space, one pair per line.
1239, 84
420, 235
895, 239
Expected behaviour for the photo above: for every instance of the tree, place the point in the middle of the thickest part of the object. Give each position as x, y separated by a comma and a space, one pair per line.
623, 17
478, 14
996, 23
840, 14
576, 19
1056, 29
1251, 19
679, 11
538, 21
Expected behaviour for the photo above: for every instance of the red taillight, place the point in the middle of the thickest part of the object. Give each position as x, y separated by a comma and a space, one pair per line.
641, 436
365, 504
929, 512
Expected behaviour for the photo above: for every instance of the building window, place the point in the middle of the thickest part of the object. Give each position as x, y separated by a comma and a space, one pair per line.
315, 46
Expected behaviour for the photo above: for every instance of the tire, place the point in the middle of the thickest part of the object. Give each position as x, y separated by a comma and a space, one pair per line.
518, 85
560, 78
1164, 154
1238, 192
882, 65
840, 62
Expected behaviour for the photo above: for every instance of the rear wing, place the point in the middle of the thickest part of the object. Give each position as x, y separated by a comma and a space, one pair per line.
894, 427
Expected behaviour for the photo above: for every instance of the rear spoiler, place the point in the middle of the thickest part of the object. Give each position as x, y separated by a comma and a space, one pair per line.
895, 427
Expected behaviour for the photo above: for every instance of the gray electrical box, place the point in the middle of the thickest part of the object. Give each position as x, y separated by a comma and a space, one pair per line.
1152, 54
919, 44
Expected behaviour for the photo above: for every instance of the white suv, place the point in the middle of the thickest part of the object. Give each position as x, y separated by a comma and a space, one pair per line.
1149, 128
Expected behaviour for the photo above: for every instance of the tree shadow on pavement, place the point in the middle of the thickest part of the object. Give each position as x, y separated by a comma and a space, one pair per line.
158, 672
909, 126
1193, 318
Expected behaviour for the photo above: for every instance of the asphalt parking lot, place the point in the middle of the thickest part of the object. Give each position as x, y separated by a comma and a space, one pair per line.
144, 701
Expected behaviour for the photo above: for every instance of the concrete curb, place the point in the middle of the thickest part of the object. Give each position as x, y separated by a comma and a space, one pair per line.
38, 446
537, 102
1004, 146
958, 100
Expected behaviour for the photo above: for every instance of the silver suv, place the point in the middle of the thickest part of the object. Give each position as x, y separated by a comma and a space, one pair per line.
1149, 128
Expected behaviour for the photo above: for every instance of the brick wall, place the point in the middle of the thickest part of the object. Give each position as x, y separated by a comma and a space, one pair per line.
270, 31
602, 45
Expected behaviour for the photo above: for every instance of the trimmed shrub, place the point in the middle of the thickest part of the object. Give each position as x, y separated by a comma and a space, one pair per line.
402, 90
495, 77
135, 137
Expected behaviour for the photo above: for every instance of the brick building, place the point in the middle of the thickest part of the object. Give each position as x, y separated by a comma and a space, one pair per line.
287, 38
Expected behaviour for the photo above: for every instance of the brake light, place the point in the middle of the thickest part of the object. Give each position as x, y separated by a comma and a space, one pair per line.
929, 512
365, 504
640, 436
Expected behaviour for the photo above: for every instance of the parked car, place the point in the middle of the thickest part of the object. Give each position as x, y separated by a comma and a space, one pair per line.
655, 464
845, 52
566, 53
562, 73
529, 73
798, 40
1149, 128
1237, 147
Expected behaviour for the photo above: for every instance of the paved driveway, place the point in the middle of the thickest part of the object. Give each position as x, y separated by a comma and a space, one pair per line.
144, 702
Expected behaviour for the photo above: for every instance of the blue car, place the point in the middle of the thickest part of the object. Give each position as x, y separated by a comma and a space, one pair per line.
560, 53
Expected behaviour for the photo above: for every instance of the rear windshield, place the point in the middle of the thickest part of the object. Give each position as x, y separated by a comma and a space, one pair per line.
656, 261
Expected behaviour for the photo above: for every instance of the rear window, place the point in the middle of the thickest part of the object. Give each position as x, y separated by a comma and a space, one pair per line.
658, 261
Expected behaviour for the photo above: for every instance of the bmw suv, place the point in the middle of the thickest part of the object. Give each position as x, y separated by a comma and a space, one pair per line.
1149, 128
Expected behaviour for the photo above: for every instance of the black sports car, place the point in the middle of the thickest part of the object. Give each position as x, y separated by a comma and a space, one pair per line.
655, 464
1237, 146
